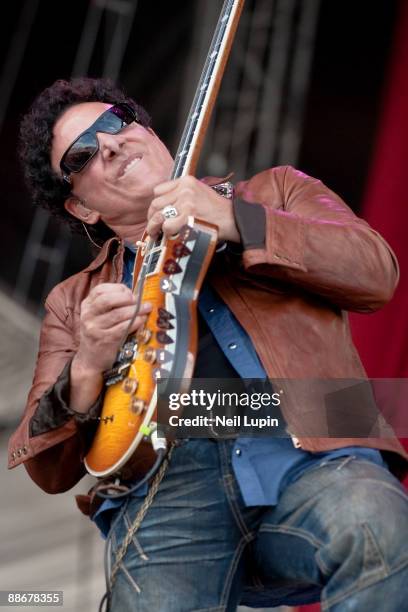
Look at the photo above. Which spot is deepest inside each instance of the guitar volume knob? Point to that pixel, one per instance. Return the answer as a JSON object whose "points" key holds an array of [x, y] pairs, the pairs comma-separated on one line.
{"points": [[137, 405], [129, 385], [143, 335], [150, 355]]}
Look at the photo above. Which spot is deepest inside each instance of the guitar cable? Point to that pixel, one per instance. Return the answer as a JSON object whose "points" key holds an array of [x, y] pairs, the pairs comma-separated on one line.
{"points": [[159, 445]]}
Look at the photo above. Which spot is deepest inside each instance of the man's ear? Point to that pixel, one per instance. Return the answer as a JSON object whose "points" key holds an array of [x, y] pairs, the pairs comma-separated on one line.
{"points": [[77, 209]]}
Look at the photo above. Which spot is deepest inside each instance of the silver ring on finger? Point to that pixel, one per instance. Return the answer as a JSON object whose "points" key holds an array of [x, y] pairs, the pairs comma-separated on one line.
{"points": [[169, 212]]}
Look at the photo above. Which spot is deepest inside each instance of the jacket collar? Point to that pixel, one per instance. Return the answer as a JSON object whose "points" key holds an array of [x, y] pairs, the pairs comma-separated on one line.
{"points": [[104, 253]]}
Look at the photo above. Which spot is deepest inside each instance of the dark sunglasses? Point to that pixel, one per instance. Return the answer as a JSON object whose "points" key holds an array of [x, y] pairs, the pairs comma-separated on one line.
{"points": [[83, 149]]}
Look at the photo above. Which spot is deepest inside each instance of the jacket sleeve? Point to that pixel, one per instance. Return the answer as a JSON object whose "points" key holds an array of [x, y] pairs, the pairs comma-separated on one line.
{"points": [[312, 239], [49, 440]]}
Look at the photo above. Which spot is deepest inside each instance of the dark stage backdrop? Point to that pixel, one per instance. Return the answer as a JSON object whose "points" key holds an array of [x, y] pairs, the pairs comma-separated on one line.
{"points": [[350, 58], [382, 337]]}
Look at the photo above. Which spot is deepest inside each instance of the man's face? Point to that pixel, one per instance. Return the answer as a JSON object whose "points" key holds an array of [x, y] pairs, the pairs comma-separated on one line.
{"points": [[117, 184]]}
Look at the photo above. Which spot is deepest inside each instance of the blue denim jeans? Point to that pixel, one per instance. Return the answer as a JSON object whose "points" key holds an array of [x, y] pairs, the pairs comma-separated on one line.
{"points": [[338, 534]]}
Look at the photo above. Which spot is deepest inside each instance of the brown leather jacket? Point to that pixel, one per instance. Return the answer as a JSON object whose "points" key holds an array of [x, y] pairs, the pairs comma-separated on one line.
{"points": [[290, 293]]}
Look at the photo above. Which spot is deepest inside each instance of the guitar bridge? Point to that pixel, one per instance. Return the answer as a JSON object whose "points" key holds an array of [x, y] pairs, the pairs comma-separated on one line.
{"points": [[122, 364]]}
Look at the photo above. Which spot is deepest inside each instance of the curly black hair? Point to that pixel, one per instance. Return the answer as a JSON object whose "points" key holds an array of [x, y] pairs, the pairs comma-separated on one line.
{"points": [[35, 141]]}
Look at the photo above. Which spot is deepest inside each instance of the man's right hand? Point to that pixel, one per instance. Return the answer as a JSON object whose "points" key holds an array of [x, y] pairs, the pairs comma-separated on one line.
{"points": [[104, 321], [105, 317]]}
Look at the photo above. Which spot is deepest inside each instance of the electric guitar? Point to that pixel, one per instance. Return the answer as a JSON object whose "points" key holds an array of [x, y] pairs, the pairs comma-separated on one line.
{"points": [[169, 273]]}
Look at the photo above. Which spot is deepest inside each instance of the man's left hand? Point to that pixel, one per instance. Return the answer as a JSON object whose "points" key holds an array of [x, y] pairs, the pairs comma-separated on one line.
{"points": [[189, 196]]}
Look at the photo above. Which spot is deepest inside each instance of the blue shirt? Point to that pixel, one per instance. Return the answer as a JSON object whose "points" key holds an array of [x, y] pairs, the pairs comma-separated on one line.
{"points": [[263, 467]]}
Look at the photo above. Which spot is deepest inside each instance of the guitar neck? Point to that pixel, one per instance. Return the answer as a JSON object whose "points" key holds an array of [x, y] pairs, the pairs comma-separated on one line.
{"points": [[169, 273], [199, 116]]}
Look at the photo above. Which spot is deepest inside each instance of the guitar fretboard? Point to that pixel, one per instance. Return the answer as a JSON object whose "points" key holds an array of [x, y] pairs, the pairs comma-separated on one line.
{"points": [[200, 106], [204, 89]]}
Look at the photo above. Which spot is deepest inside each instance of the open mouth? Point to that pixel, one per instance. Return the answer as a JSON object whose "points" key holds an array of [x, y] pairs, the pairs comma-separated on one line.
{"points": [[129, 165]]}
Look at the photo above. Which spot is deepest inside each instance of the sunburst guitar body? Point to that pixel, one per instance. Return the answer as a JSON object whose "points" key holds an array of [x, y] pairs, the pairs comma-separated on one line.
{"points": [[169, 274]]}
